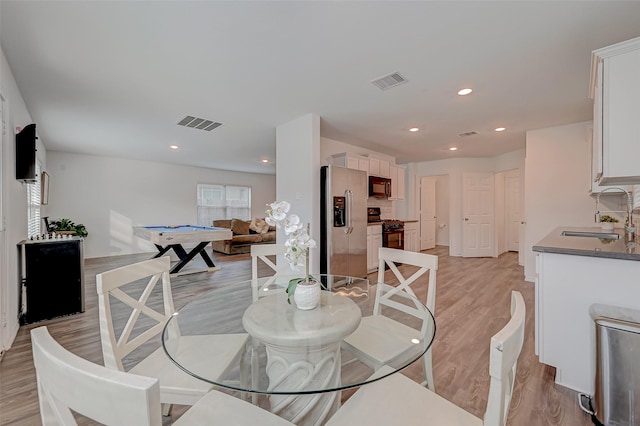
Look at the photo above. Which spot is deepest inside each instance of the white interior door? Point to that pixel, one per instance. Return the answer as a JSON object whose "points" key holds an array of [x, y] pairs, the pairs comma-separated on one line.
{"points": [[478, 230], [513, 216], [427, 213]]}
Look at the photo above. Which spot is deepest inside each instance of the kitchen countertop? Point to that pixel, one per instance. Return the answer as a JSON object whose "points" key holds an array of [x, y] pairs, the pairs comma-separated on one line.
{"points": [[374, 223], [410, 220], [557, 243]]}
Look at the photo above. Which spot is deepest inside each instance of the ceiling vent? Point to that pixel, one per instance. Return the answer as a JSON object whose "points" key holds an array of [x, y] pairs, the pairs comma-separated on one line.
{"points": [[389, 81], [199, 123], [465, 134]]}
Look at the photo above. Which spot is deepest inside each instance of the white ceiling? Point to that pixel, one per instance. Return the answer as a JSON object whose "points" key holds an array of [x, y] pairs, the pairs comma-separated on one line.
{"points": [[114, 78]]}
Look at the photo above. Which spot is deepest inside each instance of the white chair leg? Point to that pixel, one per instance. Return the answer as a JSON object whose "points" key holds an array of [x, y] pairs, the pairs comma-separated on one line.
{"points": [[427, 365], [166, 409]]}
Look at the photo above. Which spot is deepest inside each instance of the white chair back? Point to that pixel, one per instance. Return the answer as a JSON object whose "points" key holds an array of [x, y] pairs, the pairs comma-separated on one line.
{"points": [[67, 382], [505, 349], [260, 253], [115, 348], [396, 399], [425, 263]]}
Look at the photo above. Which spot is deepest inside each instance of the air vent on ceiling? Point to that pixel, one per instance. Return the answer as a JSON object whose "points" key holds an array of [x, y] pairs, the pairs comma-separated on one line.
{"points": [[199, 123], [389, 81], [462, 135]]}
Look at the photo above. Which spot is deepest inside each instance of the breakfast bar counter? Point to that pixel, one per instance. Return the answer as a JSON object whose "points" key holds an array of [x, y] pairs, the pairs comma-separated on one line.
{"points": [[572, 274], [558, 243]]}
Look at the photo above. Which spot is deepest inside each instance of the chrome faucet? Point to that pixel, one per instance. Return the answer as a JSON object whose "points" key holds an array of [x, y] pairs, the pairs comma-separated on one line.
{"points": [[629, 229]]}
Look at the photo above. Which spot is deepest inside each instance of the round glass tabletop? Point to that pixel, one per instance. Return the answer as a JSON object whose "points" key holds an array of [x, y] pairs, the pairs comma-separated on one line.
{"points": [[247, 337]]}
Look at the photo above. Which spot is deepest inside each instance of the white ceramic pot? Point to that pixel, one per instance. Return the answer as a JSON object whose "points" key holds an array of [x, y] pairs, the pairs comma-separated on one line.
{"points": [[307, 296], [607, 226]]}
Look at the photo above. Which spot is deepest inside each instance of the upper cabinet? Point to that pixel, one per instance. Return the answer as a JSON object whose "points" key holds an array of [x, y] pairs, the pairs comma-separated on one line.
{"points": [[595, 147], [396, 173], [351, 161], [379, 167], [615, 89]]}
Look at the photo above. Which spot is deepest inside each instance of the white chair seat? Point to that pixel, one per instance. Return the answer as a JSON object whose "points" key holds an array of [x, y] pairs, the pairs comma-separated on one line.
{"points": [[180, 387], [380, 340], [372, 406], [220, 408]]}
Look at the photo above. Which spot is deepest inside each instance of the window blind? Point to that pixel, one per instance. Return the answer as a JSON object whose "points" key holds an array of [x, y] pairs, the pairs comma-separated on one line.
{"points": [[223, 202]]}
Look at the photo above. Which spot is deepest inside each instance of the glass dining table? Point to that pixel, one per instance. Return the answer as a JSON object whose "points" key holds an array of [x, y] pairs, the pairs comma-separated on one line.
{"points": [[298, 358]]}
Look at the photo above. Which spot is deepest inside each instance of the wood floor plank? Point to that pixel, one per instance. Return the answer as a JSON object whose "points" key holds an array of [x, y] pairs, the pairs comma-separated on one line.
{"points": [[472, 303]]}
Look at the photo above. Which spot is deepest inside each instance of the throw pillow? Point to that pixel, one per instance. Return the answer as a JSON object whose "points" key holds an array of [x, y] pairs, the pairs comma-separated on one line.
{"points": [[239, 227], [258, 225]]}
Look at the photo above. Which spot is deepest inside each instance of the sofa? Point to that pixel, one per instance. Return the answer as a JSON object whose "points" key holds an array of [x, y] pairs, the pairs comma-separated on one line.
{"points": [[245, 234]]}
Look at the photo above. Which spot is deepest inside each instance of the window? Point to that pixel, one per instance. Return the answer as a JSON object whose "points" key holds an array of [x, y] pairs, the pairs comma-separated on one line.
{"points": [[223, 202], [33, 200]]}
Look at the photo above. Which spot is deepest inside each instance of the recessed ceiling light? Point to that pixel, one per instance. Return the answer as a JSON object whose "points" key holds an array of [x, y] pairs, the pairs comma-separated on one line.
{"points": [[413, 129], [463, 92], [264, 160], [500, 129], [453, 148], [173, 146]]}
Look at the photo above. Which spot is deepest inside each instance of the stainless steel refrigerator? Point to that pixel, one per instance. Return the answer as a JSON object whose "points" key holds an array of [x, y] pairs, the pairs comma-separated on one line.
{"points": [[343, 220]]}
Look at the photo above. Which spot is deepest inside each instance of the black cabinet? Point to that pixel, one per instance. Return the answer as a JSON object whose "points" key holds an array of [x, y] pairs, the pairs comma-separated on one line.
{"points": [[51, 277]]}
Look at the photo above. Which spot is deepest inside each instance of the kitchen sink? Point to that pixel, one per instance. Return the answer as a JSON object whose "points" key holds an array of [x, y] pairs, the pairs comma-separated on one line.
{"points": [[592, 234]]}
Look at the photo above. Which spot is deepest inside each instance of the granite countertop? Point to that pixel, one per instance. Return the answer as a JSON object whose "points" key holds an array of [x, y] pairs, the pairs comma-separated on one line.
{"points": [[555, 242], [374, 223]]}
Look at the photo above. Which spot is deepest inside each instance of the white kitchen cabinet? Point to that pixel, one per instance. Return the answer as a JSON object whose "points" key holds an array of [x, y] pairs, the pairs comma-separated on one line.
{"points": [[374, 242], [411, 237], [350, 161], [615, 89], [379, 166], [596, 169], [566, 287], [396, 174]]}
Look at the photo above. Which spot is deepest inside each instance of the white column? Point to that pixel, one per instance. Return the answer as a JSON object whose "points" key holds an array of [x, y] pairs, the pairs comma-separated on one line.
{"points": [[298, 174]]}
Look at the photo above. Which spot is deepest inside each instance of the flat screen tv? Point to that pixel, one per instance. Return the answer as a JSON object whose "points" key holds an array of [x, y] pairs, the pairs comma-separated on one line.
{"points": [[26, 154]]}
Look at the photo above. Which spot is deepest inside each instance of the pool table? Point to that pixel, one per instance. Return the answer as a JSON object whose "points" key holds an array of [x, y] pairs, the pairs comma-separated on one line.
{"points": [[166, 238]]}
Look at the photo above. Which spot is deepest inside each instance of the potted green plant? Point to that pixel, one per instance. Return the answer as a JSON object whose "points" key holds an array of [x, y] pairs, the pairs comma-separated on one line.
{"points": [[607, 222], [67, 226]]}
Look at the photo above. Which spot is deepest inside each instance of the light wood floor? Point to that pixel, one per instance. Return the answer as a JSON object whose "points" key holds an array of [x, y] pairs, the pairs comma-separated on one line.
{"points": [[472, 304]]}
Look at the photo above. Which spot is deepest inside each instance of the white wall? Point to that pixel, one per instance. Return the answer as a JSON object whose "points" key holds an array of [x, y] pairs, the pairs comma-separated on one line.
{"points": [[110, 195], [557, 175], [14, 203], [455, 168]]}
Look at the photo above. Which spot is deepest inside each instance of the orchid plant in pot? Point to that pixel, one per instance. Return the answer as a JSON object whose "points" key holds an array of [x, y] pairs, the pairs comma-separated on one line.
{"points": [[297, 246]]}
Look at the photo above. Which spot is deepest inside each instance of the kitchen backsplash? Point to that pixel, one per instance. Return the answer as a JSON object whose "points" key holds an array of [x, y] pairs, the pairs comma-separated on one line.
{"points": [[387, 208]]}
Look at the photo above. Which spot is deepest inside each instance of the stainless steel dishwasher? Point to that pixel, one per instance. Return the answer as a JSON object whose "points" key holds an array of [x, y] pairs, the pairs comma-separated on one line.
{"points": [[616, 401]]}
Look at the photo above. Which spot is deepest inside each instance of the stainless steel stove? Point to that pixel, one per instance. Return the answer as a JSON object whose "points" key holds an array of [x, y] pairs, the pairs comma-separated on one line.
{"points": [[393, 234]]}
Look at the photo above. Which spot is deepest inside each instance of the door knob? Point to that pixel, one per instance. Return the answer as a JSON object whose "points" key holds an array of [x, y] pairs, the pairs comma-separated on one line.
{"points": [[466, 218]]}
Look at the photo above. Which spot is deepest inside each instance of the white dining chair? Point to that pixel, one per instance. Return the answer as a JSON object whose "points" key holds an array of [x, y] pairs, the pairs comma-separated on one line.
{"points": [[67, 382], [260, 255], [376, 352], [176, 386], [396, 399]]}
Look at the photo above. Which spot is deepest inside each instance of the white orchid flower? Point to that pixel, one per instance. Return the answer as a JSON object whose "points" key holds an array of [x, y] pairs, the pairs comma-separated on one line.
{"points": [[279, 210], [292, 224], [298, 242]]}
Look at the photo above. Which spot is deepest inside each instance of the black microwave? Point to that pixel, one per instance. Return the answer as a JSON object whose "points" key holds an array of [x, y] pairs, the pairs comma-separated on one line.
{"points": [[379, 187]]}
